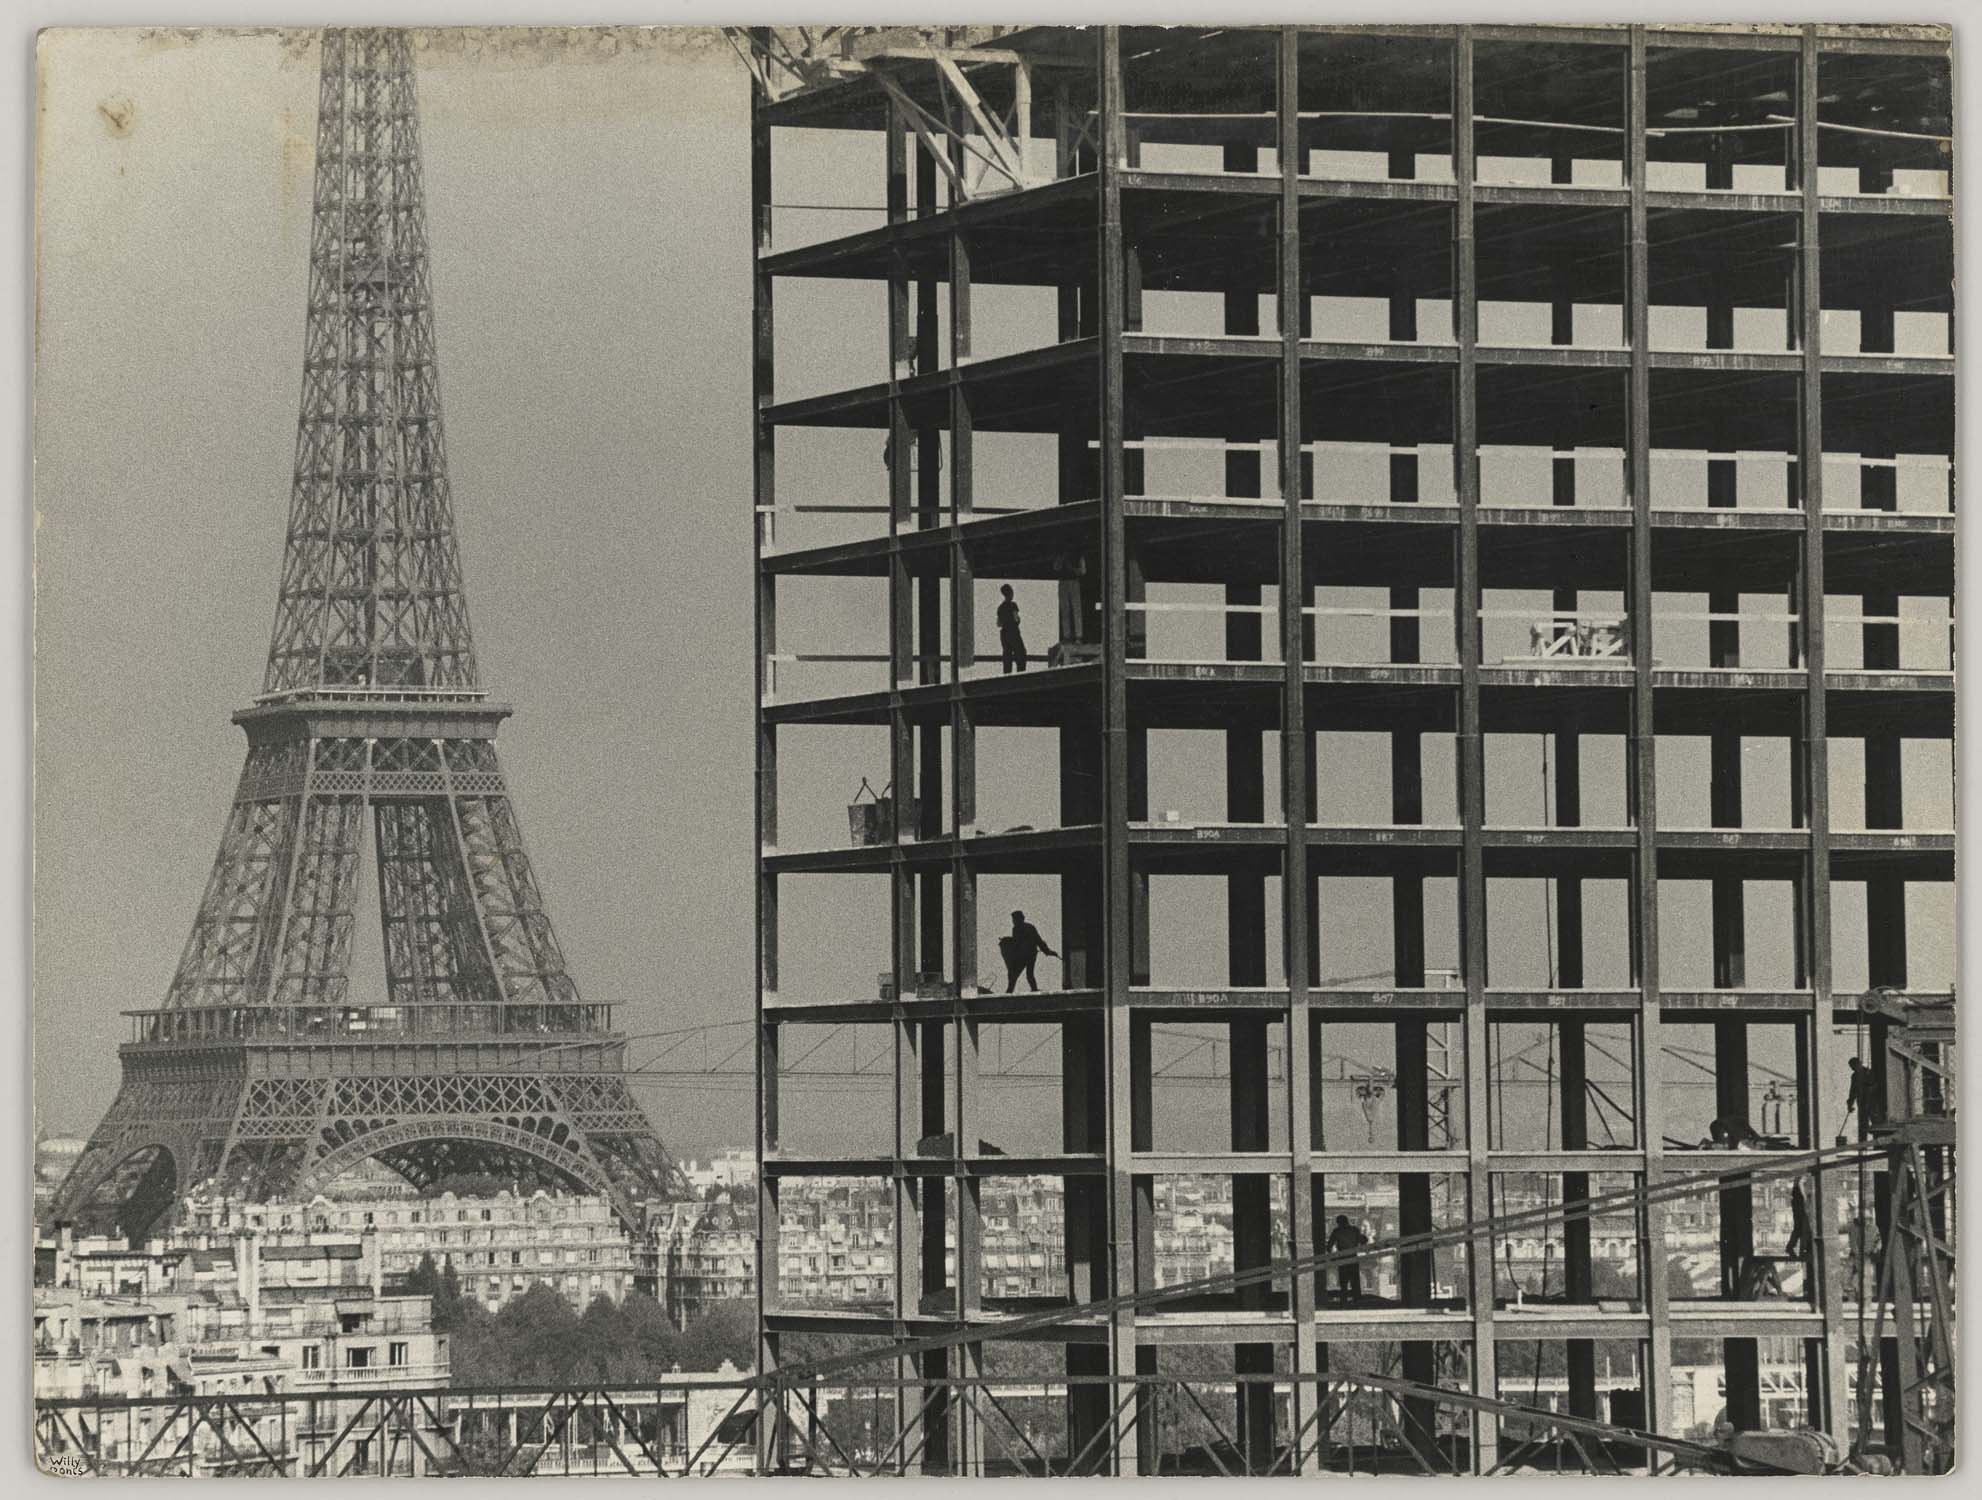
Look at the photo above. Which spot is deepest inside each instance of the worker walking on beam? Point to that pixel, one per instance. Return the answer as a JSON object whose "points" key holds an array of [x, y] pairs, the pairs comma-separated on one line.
{"points": [[1011, 644], [1020, 948]]}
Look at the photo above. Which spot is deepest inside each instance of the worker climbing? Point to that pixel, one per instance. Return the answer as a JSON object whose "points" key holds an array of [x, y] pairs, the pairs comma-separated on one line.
{"points": [[1020, 948], [1011, 644]]}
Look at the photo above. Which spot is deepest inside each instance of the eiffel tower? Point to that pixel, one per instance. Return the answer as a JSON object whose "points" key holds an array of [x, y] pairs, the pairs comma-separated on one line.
{"points": [[265, 1074]]}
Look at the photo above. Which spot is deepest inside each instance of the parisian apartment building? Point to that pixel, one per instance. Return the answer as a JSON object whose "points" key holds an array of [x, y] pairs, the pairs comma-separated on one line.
{"points": [[308, 1310], [499, 1246]]}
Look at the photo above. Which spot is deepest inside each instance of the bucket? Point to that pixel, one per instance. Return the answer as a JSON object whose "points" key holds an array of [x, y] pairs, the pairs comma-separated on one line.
{"points": [[869, 822], [873, 821]]}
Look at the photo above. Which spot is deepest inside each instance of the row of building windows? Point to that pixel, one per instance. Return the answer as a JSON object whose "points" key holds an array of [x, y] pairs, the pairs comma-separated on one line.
{"points": [[515, 1258], [492, 1287], [398, 1354], [563, 1235]]}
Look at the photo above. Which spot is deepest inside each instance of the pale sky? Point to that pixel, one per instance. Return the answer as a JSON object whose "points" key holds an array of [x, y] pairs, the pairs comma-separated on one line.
{"points": [[588, 218]]}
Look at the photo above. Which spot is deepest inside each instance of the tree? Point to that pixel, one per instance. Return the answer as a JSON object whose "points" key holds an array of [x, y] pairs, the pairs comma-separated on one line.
{"points": [[537, 1340], [653, 1343], [1679, 1280], [540, 1334], [724, 1330], [603, 1353], [443, 1285], [479, 1351], [1610, 1281], [451, 1299], [1520, 1360], [424, 1279]]}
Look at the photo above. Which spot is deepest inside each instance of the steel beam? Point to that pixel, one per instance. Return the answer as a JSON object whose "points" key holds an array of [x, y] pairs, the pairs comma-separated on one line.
{"points": [[1116, 880], [1471, 742], [1296, 792], [1642, 750]]}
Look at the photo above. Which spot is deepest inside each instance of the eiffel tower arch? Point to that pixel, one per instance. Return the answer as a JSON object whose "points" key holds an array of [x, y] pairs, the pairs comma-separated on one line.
{"points": [[267, 1072]]}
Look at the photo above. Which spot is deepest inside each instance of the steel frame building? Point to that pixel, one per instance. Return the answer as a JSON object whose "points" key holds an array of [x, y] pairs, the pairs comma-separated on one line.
{"points": [[1796, 136]]}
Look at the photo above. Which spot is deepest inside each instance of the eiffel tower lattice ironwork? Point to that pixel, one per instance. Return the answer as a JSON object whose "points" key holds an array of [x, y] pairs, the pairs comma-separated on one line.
{"points": [[264, 1074]]}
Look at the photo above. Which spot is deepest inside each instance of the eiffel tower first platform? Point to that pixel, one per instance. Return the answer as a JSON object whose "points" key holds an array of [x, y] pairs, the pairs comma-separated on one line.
{"points": [[266, 1074]]}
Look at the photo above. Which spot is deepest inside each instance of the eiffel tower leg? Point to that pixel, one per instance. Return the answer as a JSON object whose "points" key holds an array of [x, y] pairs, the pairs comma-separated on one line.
{"points": [[158, 1138]]}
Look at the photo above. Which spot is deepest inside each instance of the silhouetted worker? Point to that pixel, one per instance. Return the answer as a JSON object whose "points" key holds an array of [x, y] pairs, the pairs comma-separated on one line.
{"points": [[1730, 1133], [1020, 948], [1860, 1098], [1344, 1238], [1758, 1280], [1010, 643], [1798, 1247]]}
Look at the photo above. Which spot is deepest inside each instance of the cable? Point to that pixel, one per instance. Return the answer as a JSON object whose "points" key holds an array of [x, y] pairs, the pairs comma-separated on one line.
{"points": [[1548, 892], [1898, 135], [1859, 1239]]}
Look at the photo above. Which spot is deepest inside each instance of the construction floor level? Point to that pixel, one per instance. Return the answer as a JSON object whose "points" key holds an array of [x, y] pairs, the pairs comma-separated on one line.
{"points": [[1454, 530]]}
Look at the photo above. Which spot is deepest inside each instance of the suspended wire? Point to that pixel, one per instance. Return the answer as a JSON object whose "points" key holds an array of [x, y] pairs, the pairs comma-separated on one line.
{"points": [[1859, 1232], [831, 1032], [1548, 1182], [1548, 892], [1691, 1056]]}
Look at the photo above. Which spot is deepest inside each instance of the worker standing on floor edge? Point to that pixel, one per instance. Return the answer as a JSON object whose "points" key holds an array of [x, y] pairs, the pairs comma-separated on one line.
{"points": [[1858, 1099], [1345, 1239], [1020, 948], [1011, 644]]}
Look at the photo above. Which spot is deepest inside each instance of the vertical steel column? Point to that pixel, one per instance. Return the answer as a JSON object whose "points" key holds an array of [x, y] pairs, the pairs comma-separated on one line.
{"points": [[1578, 1271], [1083, 1094], [1826, 1050], [936, 1195], [1245, 916], [969, 1436], [1471, 747], [764, 496], [1740, 1356], [1118, 940], [1291, 299], [909, 1192], [928, 735], [1730, 936], [1568, 891], [1729, 891], [1643, 747]]}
